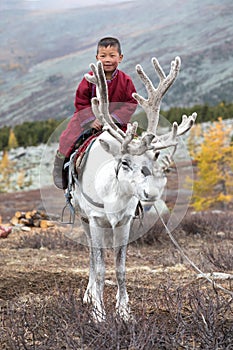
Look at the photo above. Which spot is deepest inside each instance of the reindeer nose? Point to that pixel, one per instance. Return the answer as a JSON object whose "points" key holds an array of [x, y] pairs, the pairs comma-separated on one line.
{"points": [[153, 189]]}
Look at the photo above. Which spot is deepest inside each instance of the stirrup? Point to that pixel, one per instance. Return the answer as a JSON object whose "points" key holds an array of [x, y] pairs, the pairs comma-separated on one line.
{"points": [[69, 206]]}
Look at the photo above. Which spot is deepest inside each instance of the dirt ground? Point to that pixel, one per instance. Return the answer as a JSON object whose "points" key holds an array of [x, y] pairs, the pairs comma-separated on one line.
{"points": [[41, 261], [28, 269], [31, 269], [37, 267]]}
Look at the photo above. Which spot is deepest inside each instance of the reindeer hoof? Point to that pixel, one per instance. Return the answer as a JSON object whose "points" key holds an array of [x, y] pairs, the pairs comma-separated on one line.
{"points": [[123, 313], [98, 316]]}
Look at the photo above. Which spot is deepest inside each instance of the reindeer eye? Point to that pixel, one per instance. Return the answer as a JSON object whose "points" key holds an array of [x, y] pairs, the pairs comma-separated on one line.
{"points": [[125, 164], [146, 171]]}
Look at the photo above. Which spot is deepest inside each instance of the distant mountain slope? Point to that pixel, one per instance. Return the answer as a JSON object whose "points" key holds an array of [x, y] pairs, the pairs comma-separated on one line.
{"points": [[44, 55]]}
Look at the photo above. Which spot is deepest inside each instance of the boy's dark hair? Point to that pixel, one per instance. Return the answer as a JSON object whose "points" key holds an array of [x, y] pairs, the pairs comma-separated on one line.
{"points": [[109, 41]]}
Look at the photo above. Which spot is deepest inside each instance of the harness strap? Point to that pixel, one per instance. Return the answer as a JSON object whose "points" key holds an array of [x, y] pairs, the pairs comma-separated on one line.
{"points": [[96, 204]]}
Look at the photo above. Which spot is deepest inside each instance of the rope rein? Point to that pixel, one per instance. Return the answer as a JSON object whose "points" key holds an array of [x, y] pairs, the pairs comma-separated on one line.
{"points": [[187, 258]]}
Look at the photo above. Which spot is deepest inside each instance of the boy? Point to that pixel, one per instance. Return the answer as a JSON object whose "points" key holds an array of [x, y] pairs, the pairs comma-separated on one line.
{"points": [[121, 104]]}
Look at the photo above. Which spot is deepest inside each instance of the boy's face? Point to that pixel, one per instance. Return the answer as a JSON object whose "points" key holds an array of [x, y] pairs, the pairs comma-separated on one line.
{"points": [[110, 58]]}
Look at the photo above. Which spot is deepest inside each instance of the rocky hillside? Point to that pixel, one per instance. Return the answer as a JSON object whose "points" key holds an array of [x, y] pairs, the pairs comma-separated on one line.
{"points": [[31, 168], [44, 54]]}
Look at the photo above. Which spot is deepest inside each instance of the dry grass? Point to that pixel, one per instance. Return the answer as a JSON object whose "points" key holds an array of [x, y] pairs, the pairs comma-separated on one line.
{"points": [[171, 308], [180, 318]]}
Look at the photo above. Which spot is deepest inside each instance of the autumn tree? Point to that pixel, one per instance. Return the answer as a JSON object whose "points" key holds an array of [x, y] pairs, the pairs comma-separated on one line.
{"points": [[12, 141], [213, 187], [6, 171], [12, 178]]}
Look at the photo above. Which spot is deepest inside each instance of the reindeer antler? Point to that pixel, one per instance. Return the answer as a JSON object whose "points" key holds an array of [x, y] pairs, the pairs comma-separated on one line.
{"points": [[100, 107], [149, 141], [152, 105], [185, 125], [100, 104]]}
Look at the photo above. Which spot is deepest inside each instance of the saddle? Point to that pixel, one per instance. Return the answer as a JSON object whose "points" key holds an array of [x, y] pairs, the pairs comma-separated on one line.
{"points": [[82, 147], [79, 155], [82, 152]]}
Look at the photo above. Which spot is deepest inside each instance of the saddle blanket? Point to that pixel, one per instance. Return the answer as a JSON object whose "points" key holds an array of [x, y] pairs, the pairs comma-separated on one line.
{"points": [[82, 151]]}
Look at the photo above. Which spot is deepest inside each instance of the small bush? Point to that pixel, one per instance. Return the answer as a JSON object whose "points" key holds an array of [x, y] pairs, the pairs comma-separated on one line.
{"points": [[208, 222], [180, 318], [220, 256], [51, 240]]}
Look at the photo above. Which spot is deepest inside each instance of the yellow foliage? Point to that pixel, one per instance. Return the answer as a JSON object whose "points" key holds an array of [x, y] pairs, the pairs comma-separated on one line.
{"points": [[12, 141], [9, 178], [6, 170], [5, 161], [214, 184]]}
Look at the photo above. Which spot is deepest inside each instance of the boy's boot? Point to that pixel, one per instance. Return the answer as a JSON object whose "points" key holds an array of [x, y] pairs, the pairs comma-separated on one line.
{"points": [[59, 174]]}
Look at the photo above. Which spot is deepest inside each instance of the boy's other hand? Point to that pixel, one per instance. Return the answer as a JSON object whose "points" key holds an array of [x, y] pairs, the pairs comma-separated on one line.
{"points": [[96, 124]]}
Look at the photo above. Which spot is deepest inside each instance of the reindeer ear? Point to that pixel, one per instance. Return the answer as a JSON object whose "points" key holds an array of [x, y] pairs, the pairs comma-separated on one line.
{"points": [[110, 147], [156, 155]]}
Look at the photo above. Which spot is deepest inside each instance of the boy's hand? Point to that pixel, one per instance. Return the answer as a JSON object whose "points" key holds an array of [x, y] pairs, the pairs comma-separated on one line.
{"points": [[96, 124]]}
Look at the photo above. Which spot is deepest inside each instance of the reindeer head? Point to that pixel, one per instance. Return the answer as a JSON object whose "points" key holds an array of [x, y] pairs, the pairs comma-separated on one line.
{"points": [[136, 157], [140, 175]]}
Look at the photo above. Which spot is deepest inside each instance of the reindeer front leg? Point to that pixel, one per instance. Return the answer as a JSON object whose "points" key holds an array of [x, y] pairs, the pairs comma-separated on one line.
{"points": [[121, 237], [122, 296], [95, 288]]}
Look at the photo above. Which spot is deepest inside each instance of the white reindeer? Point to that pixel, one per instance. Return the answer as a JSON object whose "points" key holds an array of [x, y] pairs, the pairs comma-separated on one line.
{"points": [[120, 171]]}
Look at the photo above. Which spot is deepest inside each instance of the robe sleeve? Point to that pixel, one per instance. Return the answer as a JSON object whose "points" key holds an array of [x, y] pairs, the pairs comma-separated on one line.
{"points": [[83, 102]]}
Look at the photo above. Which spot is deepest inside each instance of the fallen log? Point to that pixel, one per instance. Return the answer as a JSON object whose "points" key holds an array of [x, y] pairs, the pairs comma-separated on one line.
{"points": [[34, 218]]}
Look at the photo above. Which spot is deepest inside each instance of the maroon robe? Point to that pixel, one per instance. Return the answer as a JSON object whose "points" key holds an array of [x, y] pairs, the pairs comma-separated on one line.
{"points": [[121, 106]]}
